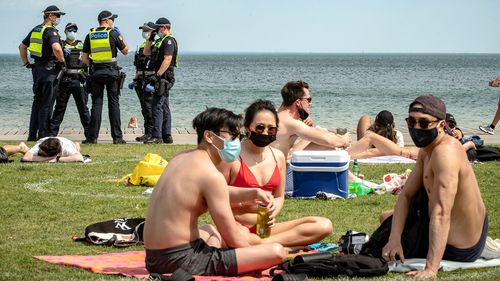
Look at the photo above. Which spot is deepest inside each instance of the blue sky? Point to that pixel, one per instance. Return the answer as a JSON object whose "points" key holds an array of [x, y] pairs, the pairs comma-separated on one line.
{"points": [[326, 26]]}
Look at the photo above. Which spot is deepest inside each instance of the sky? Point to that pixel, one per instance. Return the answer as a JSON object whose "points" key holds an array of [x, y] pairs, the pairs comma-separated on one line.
{"points": [[289, 26]]}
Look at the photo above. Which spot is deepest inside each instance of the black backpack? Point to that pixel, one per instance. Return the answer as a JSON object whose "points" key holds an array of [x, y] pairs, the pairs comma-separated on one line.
{"points": [[327, 264], [121, 232]]}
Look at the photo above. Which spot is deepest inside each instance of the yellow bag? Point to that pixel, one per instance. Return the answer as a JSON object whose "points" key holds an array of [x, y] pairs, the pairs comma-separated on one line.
{"points": [[148, 171]]}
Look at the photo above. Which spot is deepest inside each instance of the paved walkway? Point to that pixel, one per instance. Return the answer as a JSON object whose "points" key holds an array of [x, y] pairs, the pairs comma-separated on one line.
{"points": [[188, 135]]}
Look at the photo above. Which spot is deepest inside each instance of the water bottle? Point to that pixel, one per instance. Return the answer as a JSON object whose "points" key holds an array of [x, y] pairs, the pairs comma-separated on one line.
{"points": [[355, 168], [149, 88], [132, 85], [262, 229]]}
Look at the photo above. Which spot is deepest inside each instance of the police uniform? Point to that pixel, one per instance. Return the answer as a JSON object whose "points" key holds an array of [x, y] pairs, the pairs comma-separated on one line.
{"points": [[162, 118], [71, 84], [102, 45], [45, 71], [144, 70]]}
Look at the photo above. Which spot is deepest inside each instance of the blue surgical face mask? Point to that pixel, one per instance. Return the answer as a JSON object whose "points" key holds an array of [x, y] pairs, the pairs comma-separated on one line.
{"points": [[231, 150], [71, 35], [145, 35], [56, 22]]}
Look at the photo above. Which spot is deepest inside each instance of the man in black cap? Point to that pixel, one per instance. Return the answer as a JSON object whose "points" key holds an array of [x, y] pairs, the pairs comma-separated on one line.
{"points": [[164, 59], [446, 187], [71, 82], [45, 48], [100, 49], [144, 69]]}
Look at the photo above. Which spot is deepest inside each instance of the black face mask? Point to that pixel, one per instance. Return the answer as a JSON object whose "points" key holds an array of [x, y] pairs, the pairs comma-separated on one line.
{"points": [[261, 140], [303, 114], [423, 137]]}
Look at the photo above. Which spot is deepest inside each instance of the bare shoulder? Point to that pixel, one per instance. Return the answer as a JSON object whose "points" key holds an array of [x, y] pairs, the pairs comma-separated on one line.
{"points": [[280, 157], [448, 153]]}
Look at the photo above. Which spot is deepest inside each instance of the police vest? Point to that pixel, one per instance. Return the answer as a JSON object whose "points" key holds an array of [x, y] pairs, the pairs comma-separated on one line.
{"points": [[36, 40], [100, 46], [155, 53], [140, 60], [73, 60]]}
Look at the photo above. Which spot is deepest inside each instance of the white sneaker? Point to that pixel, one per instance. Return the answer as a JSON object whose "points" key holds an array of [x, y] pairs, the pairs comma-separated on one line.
{"points": [[491, 249], [487, 129]]}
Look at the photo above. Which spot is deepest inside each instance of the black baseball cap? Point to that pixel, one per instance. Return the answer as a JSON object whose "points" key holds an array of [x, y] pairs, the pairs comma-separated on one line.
{"points": [[431, 105], [148, 26], [104, 15], [162, 22], [71, 25], [52, 9], [450, 119]]}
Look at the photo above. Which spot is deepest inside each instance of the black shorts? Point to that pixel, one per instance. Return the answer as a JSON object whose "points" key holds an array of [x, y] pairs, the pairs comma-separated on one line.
{"points": [[4, 158], [196, 258], [470, 254]]}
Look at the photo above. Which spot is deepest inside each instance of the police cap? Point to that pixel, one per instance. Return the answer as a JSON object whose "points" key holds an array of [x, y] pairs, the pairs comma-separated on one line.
{"points": [[104, 15], [71, 25], [162, 22], [52, 9], [148, 26]]}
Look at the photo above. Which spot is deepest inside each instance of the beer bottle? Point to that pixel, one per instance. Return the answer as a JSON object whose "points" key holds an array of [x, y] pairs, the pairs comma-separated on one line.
{"points": [[261, 227]]}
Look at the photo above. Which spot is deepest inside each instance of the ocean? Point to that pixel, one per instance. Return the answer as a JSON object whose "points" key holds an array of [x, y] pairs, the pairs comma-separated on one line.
{"points": [[343, 86]]}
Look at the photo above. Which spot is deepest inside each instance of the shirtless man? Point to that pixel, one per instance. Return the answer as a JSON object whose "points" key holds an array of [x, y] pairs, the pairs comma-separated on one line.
{"points": [[458, 222], [190, 186]]}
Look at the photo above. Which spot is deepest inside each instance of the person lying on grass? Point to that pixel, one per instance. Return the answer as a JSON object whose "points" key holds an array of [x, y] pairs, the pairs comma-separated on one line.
{"points": [[54, 149], [189, 187], [262, 166]]}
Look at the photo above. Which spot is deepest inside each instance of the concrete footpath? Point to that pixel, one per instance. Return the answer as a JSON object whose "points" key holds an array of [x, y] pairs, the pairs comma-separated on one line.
{"points": [[188, 135]]}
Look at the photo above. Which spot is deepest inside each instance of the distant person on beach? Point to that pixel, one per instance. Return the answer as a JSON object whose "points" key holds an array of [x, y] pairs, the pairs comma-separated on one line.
{"points": [[383, 125], [189, 187], [262, 166], [45, 48], [54, 149], [71, 83], [490, 129], [100, 50], [9, 149], [443, 182]]}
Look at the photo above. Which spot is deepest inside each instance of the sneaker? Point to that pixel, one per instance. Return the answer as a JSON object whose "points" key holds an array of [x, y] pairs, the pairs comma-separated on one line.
{"points": [[487, 129], [168, 139], [143, 138], [119, 141], [89, 141], [153, 140]]}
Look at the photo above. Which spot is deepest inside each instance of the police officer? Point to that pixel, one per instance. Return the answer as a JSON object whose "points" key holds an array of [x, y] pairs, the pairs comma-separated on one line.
{"points": [[44, 45], [164, 58], [100, 49], [143, 70], [71, 82]]}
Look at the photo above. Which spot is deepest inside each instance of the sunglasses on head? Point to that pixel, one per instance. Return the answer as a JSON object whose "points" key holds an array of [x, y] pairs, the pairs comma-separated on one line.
{"points": [[271, 130], [423, 123], [309, 99]]}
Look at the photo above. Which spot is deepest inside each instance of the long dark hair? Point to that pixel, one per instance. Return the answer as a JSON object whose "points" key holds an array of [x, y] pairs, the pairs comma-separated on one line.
{"points": [[256, 107], [384, 125]]}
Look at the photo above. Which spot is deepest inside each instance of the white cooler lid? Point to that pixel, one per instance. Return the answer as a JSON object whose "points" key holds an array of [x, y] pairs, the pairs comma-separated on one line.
{"points": [[320, 156]]}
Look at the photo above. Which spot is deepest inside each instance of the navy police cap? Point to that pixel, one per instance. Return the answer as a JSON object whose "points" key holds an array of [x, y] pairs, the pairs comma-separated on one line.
{"points": [[162, 22], [104, 15], [148, 26], [52, 9]]}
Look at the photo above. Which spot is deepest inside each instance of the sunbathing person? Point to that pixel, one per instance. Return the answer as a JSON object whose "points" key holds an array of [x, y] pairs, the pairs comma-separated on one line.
{"points": [[383, 125], [9, 149], [54, 149], [190, 186], [458, 222], [263, 166]]}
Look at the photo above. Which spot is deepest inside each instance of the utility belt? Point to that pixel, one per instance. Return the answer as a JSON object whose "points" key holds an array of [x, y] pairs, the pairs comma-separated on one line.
{"points": [[49, 64], [145, 72]]}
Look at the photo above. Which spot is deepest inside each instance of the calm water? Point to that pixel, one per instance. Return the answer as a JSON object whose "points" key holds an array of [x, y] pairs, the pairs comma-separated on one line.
{"points": [[343, 86]]}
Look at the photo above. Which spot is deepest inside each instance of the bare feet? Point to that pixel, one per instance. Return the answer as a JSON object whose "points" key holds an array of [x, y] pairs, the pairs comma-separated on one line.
{"points": [[23, 148]]}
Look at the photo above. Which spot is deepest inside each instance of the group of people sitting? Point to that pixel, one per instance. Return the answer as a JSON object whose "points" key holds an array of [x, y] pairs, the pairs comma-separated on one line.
{"points": [[229, 179]]}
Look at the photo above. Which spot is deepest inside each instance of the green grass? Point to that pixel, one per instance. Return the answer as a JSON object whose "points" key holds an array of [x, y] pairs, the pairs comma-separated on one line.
{"points": [[43, 205]]}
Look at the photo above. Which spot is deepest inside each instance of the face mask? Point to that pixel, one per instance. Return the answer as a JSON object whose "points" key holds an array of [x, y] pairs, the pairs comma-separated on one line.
{"points": [[145, 35], [56, 22], [71, 35], [231, 150], [303, 114], [423, 137], [261, 140]]}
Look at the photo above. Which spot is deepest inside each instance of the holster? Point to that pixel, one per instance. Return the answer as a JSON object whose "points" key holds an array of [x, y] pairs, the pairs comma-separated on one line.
{"points": [[162, 87], [121, 80]]}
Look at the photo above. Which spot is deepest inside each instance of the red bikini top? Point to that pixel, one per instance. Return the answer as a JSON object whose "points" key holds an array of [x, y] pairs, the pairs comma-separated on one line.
{"points": [[246, 178]]}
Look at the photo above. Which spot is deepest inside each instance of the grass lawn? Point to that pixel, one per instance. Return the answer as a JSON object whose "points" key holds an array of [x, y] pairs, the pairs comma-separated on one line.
{"points": [[43, 205]]}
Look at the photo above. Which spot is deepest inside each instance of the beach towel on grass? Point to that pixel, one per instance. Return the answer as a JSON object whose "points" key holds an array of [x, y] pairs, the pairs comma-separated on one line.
{"points": [[389, 159], [131, 264], [419, 264]]}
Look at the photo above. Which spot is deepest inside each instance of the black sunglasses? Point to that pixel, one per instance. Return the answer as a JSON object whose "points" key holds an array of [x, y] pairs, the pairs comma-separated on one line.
{"points": [[271, 130], [423, 123], [309, 99], [71, 30]]}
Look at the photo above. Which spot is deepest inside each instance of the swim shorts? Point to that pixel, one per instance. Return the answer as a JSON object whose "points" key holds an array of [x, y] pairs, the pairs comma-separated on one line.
{"points": [[4, 158], [470, 254], [196, 258]]}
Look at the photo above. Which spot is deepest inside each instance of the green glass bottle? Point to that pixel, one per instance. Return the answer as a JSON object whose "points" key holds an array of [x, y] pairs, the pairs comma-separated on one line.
{"points": [[261, 227]]}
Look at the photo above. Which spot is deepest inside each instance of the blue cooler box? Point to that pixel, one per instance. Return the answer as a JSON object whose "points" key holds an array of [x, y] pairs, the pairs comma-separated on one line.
{"points": [[325, 170]]}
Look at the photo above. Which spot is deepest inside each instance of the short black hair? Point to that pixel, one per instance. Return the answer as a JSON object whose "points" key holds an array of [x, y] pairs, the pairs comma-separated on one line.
{"points": [[292, 91], [256, 107], [214, 119], [51, 147]]}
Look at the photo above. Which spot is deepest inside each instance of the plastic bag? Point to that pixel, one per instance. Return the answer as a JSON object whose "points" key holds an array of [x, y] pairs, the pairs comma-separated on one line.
{"points": [[147, 171]]}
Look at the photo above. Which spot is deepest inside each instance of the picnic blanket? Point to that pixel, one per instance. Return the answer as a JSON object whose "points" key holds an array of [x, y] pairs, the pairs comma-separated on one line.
{"points": [[419, 264], [131, 264], [387, 159]]}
